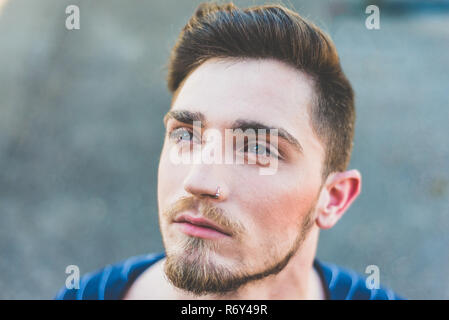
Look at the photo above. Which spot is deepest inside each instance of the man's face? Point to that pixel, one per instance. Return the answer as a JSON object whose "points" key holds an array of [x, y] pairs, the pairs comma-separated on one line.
{"points": [[264, 217]]}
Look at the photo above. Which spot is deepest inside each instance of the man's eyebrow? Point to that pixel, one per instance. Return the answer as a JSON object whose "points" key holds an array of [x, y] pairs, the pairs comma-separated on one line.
{"points": [[244, 124], [185, 116], [188, 117]]}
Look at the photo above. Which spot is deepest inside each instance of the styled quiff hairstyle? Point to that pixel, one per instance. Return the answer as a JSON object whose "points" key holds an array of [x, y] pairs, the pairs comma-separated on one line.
{"points": [[276, 32]]}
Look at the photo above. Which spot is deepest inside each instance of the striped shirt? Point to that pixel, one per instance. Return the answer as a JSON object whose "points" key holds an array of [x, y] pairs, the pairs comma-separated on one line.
{"points": [[112, 281]]}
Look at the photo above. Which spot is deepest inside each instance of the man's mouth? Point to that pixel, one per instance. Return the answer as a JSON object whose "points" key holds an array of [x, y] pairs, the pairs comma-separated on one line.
{"points": [[200, 227]]}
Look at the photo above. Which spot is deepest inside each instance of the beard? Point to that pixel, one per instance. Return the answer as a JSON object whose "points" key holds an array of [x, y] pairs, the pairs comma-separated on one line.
{"points": [[191, 266]]}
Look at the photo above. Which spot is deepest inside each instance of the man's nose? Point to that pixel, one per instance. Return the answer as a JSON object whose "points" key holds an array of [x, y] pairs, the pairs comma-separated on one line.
{"points": [[204, 180]]}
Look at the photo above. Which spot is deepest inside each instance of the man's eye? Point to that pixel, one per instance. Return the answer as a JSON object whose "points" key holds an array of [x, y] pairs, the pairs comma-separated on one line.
{"points": [[180, 134], [259, 149]]}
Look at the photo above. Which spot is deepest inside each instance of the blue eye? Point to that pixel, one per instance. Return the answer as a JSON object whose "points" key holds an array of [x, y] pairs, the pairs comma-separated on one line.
{"points": [[180, 134], [257, 149], [262, 150]]}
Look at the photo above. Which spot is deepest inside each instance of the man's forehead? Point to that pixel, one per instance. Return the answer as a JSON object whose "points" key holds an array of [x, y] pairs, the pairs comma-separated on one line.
{"points": [[258, 89]]}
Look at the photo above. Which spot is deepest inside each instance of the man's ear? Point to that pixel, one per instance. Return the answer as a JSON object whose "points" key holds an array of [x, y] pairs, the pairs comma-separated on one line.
{"points": [[337, 194]]}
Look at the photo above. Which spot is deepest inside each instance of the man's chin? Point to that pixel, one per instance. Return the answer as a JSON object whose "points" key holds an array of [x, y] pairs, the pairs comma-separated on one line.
{"points": [[197, 267], [201, 253], [199, 274]]}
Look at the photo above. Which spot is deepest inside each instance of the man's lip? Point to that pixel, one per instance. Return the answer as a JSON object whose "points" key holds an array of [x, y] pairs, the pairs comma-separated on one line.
{"points": [[202, 222]]}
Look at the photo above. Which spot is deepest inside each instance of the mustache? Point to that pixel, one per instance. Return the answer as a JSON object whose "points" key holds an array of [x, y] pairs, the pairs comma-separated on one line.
{"points": [[207, 210]]}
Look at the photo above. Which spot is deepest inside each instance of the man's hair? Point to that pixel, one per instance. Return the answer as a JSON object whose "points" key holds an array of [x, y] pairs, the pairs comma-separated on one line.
{"points": [[274, 32]]}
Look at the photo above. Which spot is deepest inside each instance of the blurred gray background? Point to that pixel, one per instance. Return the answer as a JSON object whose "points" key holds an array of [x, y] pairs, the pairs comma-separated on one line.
{"points": [[81, 132]]}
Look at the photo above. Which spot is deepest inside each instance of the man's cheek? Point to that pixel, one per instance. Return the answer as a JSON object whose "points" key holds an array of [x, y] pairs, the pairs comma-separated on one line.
{"points": [[282, 214], [169, 172], [268, 218]]}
